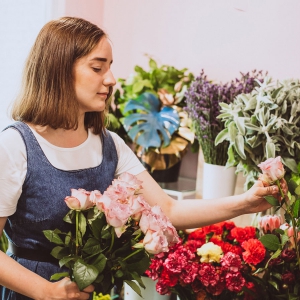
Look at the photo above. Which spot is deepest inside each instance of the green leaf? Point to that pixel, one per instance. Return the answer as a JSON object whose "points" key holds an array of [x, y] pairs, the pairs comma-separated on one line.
{"points": [[272, 200], [97, 226], [240, 124], [239, 146], [53, 237], [58, 276], [99, 262], [296, 207], [270, 150], [92, 246], [222, 136], [70, 217], [134, 286], [84, 274], [137, 87], [290, 163], [232, 131], [65, 260], [297, 190], [82, 223], [270, 241]]}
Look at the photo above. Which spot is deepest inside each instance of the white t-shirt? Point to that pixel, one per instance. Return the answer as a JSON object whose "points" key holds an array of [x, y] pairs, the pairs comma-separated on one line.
{"points": [[13, 162]]}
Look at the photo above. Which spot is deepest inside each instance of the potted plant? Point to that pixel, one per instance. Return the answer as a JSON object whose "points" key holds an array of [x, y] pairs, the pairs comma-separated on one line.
{"points": [[262, 124], [151, 105], [203, 99]]}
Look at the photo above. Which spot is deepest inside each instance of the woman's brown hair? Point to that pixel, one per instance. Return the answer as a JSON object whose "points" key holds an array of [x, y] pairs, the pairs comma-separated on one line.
{"points": [[47, 96]]}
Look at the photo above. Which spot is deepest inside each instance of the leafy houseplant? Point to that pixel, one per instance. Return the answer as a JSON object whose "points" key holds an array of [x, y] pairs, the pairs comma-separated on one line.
{"points": [[151, 105], [262, 124], [202, 104]]}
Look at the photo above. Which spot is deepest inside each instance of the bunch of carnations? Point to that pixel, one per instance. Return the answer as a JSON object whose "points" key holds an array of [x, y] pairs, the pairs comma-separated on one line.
{"points": [[115, 235], [203, 99], [279, 278], [212, 262]]}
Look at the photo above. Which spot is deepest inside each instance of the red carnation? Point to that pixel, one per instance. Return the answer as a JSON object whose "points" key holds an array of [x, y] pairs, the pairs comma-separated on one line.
{"points": [[243, 234], [255, 251], [235, 281]]}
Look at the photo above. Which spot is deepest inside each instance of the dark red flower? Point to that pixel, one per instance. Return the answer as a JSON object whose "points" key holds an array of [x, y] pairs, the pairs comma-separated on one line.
{"points": [[288, 255], [231, 262], [235, 281], [288, 278]]}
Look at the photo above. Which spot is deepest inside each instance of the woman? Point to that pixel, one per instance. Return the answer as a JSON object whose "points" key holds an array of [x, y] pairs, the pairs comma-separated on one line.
{"points": [[59, 143]]}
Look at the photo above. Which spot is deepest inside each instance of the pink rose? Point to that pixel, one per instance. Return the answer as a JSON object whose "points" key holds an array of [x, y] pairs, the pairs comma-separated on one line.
{"points": [[79, 200], [155, 242], [272, 170], [269, 223], [290, 233], [116, 213]]}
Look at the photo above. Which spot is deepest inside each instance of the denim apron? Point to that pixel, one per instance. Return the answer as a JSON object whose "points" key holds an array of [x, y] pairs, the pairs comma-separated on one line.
{"points": [[41, 205]]}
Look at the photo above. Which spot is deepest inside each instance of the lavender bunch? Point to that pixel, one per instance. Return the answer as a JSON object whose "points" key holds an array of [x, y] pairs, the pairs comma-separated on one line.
{"points": [[202, 104]]}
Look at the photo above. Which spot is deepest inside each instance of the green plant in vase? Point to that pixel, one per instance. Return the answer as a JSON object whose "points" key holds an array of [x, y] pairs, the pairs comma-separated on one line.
{"points": [[151, 105], [262, 124]]}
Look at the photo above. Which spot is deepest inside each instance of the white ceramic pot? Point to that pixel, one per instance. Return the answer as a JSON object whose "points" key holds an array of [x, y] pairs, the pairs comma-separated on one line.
{"points": [[218, 181], [149, 293]]}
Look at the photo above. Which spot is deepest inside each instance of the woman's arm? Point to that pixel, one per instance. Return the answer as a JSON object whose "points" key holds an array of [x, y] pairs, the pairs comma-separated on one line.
{"points": [[196, 213], [23, 281]]}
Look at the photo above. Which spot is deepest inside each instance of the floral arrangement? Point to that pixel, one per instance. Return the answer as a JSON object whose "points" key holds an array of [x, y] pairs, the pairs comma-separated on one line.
{"points": [[149, 106], [203, 99], [115, 235], [223, 261], [262, 124], [212, 262]]}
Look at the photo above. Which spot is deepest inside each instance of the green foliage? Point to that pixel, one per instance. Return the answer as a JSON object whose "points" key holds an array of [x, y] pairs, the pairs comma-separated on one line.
{"points": [[151, 127], [98, 256], [3, 242], [263, 124]]}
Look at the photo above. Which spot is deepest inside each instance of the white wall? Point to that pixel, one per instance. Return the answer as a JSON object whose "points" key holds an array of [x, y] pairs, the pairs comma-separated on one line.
{"points": [[20, 22]]}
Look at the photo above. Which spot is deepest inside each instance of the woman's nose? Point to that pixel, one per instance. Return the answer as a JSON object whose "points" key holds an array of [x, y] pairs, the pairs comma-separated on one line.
{"points": [[109, 79]]}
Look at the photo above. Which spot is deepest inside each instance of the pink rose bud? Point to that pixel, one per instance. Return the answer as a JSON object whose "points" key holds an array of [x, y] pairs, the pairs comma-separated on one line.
{"points": [[269, 223], [290, 233], [79, 200], [272, 170]]}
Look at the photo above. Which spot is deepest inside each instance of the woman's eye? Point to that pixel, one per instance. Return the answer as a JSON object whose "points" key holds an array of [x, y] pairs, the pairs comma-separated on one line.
{"points": [[96, 70]]}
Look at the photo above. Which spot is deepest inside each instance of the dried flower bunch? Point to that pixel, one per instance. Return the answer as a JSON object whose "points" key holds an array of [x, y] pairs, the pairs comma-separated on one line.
{"points": [[262, 124], [203, 99]]}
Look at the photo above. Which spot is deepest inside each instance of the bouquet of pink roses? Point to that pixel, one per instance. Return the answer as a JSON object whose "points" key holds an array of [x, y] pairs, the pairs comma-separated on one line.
{"points": [[115, 236]]}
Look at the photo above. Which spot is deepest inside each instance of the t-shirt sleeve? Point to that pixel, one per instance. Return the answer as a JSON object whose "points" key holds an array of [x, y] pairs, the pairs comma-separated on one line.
{"points": [[13, 168], [128, 161]]}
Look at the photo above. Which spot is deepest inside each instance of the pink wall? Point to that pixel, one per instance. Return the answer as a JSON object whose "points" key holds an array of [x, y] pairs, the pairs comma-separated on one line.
{"points": [[222, 37]]}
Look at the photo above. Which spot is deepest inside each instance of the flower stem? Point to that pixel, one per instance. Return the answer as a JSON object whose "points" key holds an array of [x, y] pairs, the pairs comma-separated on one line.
{"points": [[295, 236], [280, 189], [133, 253], [77, 231], [112, 239]]}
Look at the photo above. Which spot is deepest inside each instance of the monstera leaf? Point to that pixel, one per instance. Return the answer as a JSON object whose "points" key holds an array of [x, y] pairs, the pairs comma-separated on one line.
{"points": [[150, 126]]}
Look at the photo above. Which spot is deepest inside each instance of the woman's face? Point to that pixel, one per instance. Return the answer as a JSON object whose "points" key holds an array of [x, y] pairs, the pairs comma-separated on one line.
{"points": [[93, 77]]}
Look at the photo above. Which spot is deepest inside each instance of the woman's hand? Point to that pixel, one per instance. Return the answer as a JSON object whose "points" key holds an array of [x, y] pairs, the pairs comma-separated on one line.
{"points": [[66, 289], [255, 201]]}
